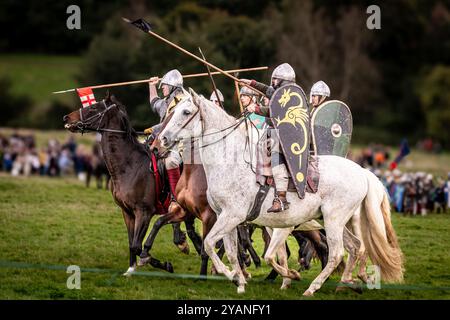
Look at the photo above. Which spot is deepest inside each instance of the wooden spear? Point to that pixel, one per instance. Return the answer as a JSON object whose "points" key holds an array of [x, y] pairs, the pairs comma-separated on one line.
{"points": [[193, 75], [212, 79], [145, 26]]}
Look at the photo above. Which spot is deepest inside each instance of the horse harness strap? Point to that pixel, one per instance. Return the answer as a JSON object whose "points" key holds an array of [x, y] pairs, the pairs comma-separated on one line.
{"points": [[83, 124], [257, 204]]}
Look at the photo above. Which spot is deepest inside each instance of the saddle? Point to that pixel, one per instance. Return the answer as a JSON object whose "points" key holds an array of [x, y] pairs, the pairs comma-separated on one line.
{"points": [[267, 181], [312, 177], [162, 190]]}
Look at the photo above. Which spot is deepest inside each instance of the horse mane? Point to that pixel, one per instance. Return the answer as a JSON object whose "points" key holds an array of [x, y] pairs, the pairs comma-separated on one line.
{"points": [[130, 133], [213, 105]]}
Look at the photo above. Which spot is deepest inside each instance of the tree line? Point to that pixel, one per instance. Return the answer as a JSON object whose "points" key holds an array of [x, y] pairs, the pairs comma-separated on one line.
{"points": [[396, 79]]}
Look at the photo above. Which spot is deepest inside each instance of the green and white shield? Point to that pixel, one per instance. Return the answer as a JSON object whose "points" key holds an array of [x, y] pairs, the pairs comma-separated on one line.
{"points": [[332, 126]]}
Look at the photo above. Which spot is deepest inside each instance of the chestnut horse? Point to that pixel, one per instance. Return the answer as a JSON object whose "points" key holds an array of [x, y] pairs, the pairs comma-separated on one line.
{"points": [[129, 163]]}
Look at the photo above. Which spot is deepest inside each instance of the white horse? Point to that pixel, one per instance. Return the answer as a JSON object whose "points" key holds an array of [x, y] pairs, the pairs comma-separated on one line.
{"points": [[344, 188]]}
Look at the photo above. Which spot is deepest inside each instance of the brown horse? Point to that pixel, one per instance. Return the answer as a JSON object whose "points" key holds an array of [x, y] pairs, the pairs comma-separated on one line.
{"points": [[192, 203], [129, 163]]}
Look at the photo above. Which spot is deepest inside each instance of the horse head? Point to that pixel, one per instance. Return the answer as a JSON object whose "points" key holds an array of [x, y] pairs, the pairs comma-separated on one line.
{"points": [[185, 121], [94, 117]]}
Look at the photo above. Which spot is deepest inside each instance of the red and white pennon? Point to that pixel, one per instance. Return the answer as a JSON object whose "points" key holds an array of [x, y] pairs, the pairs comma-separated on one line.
{"points": [[86, 96]]}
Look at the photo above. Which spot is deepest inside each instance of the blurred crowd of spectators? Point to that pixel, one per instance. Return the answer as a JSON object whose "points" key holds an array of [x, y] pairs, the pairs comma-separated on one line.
{"points": [[416, 192], [20, 155], [409, 192], [374, 156]]}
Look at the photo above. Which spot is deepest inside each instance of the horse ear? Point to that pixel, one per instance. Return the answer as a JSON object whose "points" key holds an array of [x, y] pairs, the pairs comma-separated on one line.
{"points": [[108, 95], [195, 97]]}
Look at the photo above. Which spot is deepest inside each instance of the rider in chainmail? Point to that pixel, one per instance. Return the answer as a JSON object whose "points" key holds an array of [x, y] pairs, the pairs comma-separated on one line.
{"points": [[172, 88], [282, 75]]}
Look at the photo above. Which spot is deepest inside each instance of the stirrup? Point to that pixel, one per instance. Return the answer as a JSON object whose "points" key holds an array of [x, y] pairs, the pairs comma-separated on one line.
{"points": [[284, 205]]}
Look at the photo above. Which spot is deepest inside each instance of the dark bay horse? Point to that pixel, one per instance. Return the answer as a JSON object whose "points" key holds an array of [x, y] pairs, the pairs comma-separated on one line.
{"points": [[128, 162]]}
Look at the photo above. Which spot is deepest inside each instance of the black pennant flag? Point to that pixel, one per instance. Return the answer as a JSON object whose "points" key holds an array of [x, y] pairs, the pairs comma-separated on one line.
{"points": [[141, 24]]}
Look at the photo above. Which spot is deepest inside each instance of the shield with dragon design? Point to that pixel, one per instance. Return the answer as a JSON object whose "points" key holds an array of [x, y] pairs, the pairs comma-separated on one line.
{"points": [[332, 126], [290, 116]]}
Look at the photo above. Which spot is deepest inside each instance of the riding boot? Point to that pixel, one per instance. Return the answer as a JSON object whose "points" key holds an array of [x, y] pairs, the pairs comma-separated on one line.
{"points": [[279, 202], [173, 175]]}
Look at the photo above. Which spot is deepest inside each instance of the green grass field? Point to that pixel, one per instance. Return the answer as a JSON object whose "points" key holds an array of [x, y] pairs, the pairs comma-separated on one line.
{"points": [[38, 76], [48, 224]]}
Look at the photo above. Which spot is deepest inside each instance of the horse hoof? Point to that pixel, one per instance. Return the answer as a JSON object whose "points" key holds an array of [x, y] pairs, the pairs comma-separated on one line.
{"points": [[129, 272], [143, 261], [184, 247], [308, 293], [293, 274], [363, 278], [230, 274], [349, 286], [248, 275], [241, 289], [235, 279], [168, 267], [286, 284]]}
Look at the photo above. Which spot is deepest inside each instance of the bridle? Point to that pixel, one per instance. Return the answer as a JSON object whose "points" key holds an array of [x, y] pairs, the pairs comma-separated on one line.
{"points": [[242, 118], [86, 125]]}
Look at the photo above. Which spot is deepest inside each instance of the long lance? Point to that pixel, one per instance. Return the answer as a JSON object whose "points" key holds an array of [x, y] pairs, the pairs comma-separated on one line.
{"points": [[238, 95], [193, 75], [212, 79], [145, 26]]}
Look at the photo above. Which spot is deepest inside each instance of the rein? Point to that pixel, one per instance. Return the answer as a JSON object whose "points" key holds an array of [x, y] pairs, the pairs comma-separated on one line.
{"points": [[84, 124], [233, 127], [243, 118]]}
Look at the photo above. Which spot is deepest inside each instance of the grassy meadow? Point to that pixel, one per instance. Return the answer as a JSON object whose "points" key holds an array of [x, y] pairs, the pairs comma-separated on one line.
{"points": [[48, 224], [39, 75]]}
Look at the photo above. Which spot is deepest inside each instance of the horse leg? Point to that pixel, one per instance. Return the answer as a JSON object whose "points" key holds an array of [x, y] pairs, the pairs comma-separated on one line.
{"points": [[208, 217], [192, 234], [273, 273], [179, 238], [318, 241], [220, 254], [362, 273], [266, 239], [174, 215], [145, 256], [141, 227], [362, 253], [225, 224], [277, 243], [352, 245], [230, 242], [244, 258], [129, 222], [247, 243], [283, 261], [336, 253]]}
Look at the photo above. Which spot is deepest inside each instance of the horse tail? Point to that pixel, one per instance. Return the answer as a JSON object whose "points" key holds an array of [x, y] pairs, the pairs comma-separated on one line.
{"points": [[378, 233]]}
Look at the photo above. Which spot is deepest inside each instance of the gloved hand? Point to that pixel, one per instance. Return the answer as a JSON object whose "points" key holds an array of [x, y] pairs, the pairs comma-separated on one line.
{"points": [[148, 131], [153, 80], [251, 107]]}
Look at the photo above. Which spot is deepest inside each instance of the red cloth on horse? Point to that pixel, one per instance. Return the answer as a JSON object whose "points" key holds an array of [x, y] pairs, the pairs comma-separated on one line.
{"points": [[161, 208]]}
